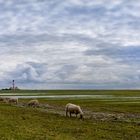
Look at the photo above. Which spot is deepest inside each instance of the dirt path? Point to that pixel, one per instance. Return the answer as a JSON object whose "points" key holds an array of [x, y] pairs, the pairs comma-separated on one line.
{"points": [[88, 114]]}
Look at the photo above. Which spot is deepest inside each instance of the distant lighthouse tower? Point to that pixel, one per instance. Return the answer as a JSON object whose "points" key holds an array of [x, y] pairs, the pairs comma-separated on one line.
{"points": [[13, 84]]}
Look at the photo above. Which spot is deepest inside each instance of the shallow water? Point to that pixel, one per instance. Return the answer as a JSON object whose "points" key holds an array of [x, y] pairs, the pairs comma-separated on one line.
{"points": [[62, 96], [72, 96]]}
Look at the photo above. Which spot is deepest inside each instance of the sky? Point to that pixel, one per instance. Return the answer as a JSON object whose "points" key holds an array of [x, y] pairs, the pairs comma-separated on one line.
{"points": [[70, 44]]}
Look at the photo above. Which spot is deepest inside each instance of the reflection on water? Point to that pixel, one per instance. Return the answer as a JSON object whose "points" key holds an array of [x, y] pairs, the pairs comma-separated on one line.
{"points": [[73, 96]]}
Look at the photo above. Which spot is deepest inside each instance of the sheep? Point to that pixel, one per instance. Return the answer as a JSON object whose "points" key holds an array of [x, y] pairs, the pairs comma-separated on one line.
{"points": [[33, 103], [13, 100], [73, 109], [6, 100]]}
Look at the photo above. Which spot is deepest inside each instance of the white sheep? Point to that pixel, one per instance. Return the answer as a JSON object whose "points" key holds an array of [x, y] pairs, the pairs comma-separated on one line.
{"points": [[6, 100], [33, 103], [13, 100], [73, 109]]}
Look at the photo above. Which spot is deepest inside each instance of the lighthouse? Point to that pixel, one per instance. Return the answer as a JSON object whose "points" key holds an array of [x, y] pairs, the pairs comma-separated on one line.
{"points": [[13, 84]]}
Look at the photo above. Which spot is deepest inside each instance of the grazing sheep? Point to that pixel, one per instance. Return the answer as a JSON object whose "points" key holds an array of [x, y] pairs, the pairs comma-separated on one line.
{"points": [[6, 100], [13, 100], [33, 103], [73, 109]]}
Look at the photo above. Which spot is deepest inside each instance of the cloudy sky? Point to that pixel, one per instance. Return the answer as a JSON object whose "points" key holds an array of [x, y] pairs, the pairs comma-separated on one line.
{"points": [[70, 44]]}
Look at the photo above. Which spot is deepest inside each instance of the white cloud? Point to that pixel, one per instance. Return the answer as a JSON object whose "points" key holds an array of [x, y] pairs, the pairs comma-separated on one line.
{"points": [[70, 42]]}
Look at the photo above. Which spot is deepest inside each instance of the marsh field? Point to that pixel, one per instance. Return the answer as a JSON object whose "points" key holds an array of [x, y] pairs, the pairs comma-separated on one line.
{"points": [[108, 115]]}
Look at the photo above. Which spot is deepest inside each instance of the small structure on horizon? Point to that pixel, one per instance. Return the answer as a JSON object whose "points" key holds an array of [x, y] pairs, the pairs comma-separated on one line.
{"points": [[13, 85]]}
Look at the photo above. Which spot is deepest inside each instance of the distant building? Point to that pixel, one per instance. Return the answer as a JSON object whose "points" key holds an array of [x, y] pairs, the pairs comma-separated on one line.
{"points": [[13, 87]]}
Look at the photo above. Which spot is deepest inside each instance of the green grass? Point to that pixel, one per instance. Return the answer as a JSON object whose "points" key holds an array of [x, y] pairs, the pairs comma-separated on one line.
{"points": [[98, 105], [76, 92], [28, 123], [25, 123]]}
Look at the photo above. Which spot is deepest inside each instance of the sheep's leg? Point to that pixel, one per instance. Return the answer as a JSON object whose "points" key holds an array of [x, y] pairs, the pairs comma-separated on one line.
{"points": [[70, 114], [66, 113]]}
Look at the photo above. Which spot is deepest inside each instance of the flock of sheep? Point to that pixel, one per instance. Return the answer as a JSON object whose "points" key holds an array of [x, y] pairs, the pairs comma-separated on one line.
{"points": [[69, 108], [9, 100]]}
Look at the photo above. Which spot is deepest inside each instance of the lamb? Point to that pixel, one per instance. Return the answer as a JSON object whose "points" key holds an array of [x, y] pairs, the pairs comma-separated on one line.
{"points": [[33, 103], [73, 109], [13, 100]]}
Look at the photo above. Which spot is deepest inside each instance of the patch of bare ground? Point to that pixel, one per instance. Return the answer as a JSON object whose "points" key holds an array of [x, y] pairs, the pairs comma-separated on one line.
{"points": [[106, 116]]}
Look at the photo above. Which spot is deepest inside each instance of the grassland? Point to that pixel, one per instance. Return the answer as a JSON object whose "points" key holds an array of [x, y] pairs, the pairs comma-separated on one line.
{"points": [[105, 119], [77, 92]]}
